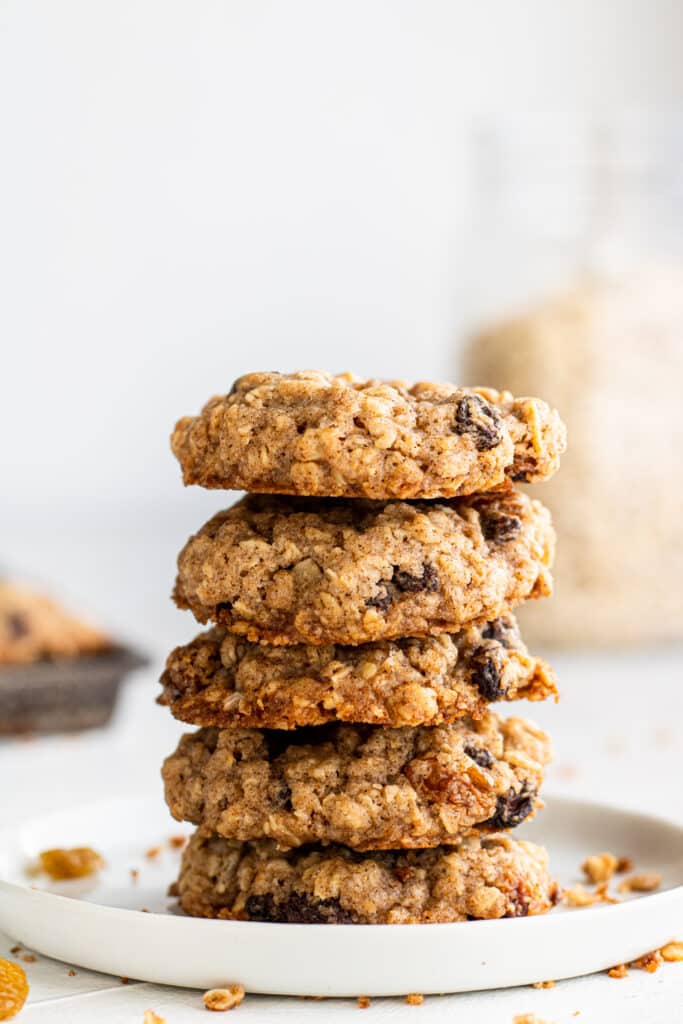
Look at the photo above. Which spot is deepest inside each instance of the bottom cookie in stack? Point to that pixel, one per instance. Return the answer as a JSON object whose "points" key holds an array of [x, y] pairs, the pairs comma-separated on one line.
{"points": [[483, 877]]}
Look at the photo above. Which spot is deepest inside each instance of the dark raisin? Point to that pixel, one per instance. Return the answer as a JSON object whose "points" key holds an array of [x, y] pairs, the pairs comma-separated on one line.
{"points": [[296, 909], [500, 528], [477, 417], [497, 630], [382, 600], [407, 583], [483, 757], [485, 674], [512, 808], [17, 624]]}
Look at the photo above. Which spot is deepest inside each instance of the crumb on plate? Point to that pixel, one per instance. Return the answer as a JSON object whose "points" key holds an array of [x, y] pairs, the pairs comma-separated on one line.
{"points": [[600, 867], [647, 882]]}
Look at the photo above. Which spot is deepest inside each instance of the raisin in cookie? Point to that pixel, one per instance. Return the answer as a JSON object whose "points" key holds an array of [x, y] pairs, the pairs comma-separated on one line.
{"points": [[224, 680], [33, 627], [366, 787], [481, 878], [320, 571], [313, 433]]}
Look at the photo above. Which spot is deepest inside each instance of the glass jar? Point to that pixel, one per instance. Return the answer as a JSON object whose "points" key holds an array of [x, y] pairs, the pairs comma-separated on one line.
{"points": [[573, 291]]}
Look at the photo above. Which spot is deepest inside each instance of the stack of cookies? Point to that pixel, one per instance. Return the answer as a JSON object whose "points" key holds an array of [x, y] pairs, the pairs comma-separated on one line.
{"points": [[348, 767]]}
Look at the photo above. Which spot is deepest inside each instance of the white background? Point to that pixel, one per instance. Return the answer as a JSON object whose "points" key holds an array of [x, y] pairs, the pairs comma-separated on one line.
{"points": [[189, 190], [192, 190]]}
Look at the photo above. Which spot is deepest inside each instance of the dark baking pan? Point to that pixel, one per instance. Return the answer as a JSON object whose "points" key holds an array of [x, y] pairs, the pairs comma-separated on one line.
{"points": [[64, 694]]}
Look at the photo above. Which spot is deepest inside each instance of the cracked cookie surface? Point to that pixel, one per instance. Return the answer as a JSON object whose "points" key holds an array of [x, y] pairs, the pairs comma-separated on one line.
{"points": [[220, 679], [317, 571], [366, 787], [313, 433], [482, 878]]}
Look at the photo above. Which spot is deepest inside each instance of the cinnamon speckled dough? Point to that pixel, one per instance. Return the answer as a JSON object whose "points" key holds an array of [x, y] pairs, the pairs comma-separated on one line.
{"points": [[312, 433], [319, 571], [34, 627], [483, 877], [365, 787], [223, 680]]}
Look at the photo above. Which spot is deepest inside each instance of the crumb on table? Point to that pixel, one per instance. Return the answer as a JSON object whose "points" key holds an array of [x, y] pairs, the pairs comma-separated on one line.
{"points": [[220, 999]]}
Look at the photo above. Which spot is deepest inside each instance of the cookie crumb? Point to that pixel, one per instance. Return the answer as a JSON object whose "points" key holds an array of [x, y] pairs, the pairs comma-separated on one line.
{"points": [[527, 1018], [620, 971], [600, 867], [624, 864], [415, 999], [672, 952], [177, 842], [153, 1018], [134, 875], [126, 981], [153, 852], [220, 999], [648, 961], [29, 958], [579, 896], [647, 882], [71, 973], [363, 1002], [15, 949], [543, 984]]}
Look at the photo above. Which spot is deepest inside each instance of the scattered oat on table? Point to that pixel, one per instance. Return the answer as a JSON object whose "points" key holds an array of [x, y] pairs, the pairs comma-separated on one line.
{"points": [[153, 1018], [528, 1018], [153, 852], [620, 971], [223, 998], [543, 984], [363, 1002], [415, 999], [648, 961], [672, 952]]}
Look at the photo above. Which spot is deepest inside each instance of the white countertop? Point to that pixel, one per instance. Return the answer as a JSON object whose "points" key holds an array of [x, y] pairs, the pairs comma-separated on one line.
{"points": [[617, 737]]}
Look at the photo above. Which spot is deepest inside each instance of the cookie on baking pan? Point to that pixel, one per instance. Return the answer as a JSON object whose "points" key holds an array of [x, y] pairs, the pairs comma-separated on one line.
{"points": [[320, 571], [312, 433], [481, 878], [366, 787], [224, 680]]}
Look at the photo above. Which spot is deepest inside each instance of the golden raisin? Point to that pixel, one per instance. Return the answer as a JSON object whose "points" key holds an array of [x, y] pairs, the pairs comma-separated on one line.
{"points": [[78, 862], [13, 989]]}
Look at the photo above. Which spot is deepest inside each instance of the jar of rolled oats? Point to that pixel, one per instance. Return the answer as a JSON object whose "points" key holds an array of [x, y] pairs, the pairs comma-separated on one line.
{"points": [[574, 292]]}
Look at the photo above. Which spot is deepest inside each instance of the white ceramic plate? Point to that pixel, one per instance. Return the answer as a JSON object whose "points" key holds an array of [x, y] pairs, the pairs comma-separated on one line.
{"points": [[100, 926]]}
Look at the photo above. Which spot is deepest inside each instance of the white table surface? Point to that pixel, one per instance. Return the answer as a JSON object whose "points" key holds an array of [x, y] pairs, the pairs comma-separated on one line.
{"points": [[617, 735]]}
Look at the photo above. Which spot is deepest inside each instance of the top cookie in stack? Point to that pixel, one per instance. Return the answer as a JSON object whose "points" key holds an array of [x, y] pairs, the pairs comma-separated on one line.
{"points": [[375, 591], [313, 433]]}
